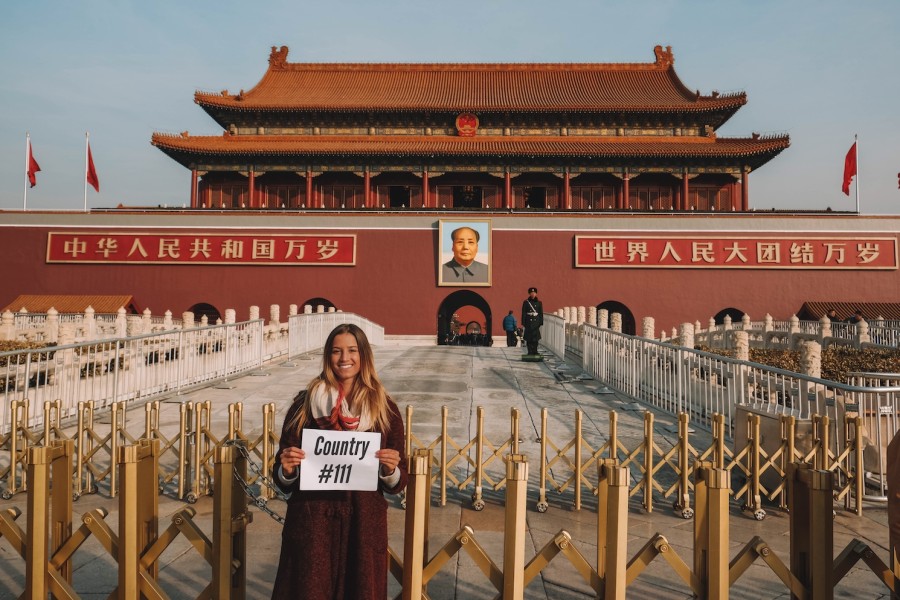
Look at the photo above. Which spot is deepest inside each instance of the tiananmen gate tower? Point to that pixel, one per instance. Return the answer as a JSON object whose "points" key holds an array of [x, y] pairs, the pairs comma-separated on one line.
{"points": [[344, 185]]}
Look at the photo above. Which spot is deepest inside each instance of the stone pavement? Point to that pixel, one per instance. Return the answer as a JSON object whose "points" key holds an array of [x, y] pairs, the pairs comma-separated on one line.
{"points": [[463, 379]]}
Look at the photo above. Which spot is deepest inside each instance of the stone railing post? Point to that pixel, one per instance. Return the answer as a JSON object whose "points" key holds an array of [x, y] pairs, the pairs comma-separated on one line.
{"points": [[167, 320], [592, 315], [862, 333], [52, 329], [648, 328], [687, 335], [769, 323], [230, 316], [147, 321], [742, 345], [204, 321], [292, 310], [254, 313], [121, 323], [615, 322], [795, 324], [603, 319], [8, 325], [745, 322], [726, 323], [582, 314], [89, 324], [811, 359], [187, 320], [307, 309], [824, 329], [274, 315]]}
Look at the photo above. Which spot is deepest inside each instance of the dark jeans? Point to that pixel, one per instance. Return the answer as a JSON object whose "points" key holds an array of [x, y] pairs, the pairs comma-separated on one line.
{"points": [[511, 340]]}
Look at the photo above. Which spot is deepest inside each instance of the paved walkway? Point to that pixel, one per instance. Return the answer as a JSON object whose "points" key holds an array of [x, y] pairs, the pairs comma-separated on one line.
{"points": [[463, 378]]}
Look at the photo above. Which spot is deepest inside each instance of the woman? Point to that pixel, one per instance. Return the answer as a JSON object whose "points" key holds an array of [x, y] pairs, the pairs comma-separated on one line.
{"points": [[334, 543]]}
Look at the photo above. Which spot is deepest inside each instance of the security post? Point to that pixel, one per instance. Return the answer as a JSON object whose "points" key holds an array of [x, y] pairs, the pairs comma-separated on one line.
{"points": [[49, 514], [514, 528], [812, 528], [612, 527], [712, 488], [415, 539], [138, 515], [231, 517]]}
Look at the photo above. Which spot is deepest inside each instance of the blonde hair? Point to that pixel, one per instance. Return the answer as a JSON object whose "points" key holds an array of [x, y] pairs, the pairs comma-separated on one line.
{"points": [[367, 391]]}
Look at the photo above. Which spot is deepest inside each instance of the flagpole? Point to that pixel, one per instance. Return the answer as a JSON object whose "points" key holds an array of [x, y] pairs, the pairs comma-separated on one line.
{"points": [[87, 146], [856, 145], [27, 166]]}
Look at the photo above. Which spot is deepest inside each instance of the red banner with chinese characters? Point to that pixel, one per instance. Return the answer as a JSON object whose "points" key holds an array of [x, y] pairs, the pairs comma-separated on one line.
{"points": [[197, 248], [704, 252]]}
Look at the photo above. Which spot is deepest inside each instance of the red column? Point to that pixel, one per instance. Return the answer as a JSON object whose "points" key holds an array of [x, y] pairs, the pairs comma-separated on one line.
{"points": [[685, 189], [745, 189], [424, 188], [625, 191], [309, 190], [567, 191], [367, 185], [194, 203], [251, 185], [507, 189]]}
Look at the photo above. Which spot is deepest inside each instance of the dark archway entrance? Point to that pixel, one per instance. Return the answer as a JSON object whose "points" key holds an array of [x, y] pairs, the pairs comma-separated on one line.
{"points": [[202, 309], [455, 322], [317, 302], [612, 306], [735, 314]]}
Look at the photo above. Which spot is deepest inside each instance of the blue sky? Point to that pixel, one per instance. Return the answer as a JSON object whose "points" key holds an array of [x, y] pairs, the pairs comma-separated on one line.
{"points": [[820, 71]]}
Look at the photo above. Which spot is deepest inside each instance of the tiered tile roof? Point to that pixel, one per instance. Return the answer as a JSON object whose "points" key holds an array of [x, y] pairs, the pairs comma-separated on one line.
{"points": [[592, 87], [452, 146], [309, 105]]}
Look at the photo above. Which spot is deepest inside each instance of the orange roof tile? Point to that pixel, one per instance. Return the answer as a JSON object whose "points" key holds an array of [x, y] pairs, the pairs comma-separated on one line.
{"points": [[471, 87], [333, 145], [41, 303]]}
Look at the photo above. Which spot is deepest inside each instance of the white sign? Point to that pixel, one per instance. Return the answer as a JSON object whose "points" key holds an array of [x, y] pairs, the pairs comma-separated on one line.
{"points": [[339, 460]]}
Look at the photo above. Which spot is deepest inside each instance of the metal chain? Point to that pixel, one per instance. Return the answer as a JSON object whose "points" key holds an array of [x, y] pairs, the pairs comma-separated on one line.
{"points": [[256, 499]]}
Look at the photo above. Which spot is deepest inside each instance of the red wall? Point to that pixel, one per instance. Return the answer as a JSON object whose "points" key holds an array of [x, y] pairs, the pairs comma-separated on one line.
{"points": [[394, 282]]}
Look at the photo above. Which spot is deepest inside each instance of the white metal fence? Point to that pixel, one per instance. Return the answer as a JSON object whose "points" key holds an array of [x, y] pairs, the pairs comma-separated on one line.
{"points": [[675, 379]]}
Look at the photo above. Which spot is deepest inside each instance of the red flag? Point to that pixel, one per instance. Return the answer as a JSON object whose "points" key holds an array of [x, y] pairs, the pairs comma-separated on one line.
{"points": [[849, 169], [91, 171], [33, 167]]}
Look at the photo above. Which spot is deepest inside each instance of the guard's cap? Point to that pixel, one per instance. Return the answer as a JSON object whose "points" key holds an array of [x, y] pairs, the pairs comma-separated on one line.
{"points": [[532, 289]]}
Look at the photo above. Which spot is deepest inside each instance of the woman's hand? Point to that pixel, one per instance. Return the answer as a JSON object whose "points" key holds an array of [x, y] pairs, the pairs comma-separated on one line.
{"points": [[389, 459], [290, 460]]}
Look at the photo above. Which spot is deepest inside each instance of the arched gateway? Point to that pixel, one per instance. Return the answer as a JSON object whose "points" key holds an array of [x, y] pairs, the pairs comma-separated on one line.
{"points": [[451, 306]]}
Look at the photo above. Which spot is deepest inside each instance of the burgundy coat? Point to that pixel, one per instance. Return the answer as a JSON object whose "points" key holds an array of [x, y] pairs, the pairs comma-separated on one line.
{"points": [[334, 543]]}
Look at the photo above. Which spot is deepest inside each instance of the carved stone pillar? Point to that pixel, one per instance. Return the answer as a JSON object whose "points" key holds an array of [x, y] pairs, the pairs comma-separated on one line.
{"points": [[811, 359], [687, 335], [648, 329], [742, 345]]}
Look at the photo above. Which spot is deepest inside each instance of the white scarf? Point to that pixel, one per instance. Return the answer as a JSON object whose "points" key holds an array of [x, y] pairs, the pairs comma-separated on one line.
{"points": [[329, 408]]}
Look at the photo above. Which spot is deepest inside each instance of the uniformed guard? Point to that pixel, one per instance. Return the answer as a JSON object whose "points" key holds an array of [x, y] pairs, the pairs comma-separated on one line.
{"points": [[532, 319]]}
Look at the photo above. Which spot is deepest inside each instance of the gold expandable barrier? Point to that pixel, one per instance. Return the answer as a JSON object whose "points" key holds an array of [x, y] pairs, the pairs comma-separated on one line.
{"points": [[48, 544]]}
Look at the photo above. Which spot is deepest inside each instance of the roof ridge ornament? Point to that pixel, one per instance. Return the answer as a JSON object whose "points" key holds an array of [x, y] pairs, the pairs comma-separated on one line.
{"points": [[664, 58], [278, 57]]}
